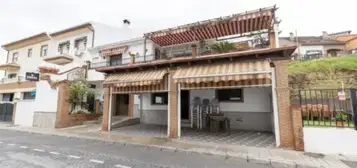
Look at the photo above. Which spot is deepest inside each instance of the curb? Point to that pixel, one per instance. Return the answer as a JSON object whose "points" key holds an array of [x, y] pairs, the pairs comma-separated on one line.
{"points": [[246, 157]]}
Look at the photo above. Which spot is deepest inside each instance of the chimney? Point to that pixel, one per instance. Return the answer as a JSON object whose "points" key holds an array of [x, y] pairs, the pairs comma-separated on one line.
{"points": [[324, 35], [292, 38]]}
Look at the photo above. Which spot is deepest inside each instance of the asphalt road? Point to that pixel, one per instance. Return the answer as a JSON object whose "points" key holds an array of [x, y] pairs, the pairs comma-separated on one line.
{"points": [[27, 150]]}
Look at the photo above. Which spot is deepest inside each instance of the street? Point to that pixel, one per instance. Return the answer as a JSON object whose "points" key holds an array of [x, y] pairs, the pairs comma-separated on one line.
{"points": [[28, 150]]}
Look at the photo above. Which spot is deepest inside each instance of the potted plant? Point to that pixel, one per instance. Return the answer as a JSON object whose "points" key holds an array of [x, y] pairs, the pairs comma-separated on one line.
{"points": [[340, 119], [132, 57], [223, 47]]}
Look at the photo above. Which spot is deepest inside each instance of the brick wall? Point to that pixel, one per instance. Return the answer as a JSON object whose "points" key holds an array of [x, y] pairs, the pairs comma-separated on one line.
{"points": [[283, 99], [173, 132], [105, 110], [63, 117]]}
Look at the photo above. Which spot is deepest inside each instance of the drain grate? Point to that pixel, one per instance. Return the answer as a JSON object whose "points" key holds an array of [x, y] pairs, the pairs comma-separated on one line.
{"points": [[314, 155]]}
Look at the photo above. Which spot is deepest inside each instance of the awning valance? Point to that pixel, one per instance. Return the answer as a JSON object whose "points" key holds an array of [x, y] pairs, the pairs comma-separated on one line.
{"points": [[232, 71], [113, 51], [136, 78]]}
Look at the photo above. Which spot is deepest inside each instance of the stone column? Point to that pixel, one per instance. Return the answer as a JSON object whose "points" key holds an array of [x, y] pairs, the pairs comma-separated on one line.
{"points": [[131, 106], [283, 101], [173, 132], [105, 115]]}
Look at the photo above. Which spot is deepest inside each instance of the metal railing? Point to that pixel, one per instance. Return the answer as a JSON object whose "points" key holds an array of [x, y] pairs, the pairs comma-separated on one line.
{"points": [[13, 80], [326, 107]]}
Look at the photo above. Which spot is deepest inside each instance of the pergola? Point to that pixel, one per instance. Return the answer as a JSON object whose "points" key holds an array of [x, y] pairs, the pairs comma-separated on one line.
{"points": [[236, 24]]}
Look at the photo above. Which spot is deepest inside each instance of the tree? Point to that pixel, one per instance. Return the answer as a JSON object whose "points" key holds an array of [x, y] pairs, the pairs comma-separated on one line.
{"points": [[78, 92]]}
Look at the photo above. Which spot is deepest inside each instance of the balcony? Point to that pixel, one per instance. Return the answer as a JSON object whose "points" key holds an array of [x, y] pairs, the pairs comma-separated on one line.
{"points": [[10, 67], [12, 80], [60, 59]]}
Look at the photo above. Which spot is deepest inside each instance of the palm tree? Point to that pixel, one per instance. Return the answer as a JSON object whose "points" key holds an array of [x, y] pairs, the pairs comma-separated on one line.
{"points": [[223, 47]]}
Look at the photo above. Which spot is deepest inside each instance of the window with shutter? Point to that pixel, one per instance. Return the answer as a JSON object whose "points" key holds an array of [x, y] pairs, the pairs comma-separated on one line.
{"points": [[80, 43], [63, 48]]}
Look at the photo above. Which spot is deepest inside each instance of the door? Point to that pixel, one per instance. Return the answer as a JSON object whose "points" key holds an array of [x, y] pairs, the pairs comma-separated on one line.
{"points": [[123, 104], [115, 60], [185, 104], [6, 111]]}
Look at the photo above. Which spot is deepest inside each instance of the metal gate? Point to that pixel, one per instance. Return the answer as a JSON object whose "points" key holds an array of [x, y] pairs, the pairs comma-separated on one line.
{"points": [[328, 107], [6, 111]]}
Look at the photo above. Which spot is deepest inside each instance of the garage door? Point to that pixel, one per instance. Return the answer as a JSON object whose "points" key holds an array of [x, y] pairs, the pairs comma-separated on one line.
{"points": [[6, 111]]}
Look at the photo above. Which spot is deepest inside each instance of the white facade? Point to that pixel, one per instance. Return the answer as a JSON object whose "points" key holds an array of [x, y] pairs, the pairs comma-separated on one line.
{"points": [[330, 140]]}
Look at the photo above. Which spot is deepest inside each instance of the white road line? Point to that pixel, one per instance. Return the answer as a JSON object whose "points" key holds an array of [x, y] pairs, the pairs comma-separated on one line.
{"points": [[73, 156], [39, 150], [24, 147], [96, 161], [122, 166], [1, 142], [11, 144], [54, 153]]}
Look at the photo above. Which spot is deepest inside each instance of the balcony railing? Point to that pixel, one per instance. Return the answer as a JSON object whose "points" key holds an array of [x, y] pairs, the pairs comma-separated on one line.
{"points": [[12, 80]]}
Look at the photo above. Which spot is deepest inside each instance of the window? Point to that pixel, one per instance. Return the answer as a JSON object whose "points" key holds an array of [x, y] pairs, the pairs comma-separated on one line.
{"points": [[15, 57], [230, 95], [63, 48], [92, 86], [28, 96], [8, 97], [80, 43], [29, 52], [44, 50], [10, 76], [159, 98]]}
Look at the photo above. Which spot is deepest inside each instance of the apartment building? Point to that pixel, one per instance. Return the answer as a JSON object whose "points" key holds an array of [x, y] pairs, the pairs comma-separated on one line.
{"points": [[59, 55], [183, 75]]}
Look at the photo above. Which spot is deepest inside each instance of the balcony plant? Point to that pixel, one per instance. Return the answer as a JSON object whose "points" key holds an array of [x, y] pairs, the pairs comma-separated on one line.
{"points": [[340, 119], [132, 57], [223, 47]]}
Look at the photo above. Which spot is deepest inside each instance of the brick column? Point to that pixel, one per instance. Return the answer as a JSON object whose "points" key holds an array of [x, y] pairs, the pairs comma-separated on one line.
{"points": [[272, 40], [297, 127], [105, 115], [97, 107], [131, 106], [63, 106], [194, 50], [283, 101], [173, 132], [13, 113]]}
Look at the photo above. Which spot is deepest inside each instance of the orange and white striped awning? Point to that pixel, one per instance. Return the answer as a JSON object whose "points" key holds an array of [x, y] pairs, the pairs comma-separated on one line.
{"points": [[113, 51], [232, 71], [142, 78]]}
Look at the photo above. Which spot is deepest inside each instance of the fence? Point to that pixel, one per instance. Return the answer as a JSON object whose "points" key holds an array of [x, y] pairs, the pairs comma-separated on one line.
{"points": [[327, 107]]}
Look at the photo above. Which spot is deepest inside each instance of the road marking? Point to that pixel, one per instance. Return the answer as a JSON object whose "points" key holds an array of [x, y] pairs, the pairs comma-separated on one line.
{"points": [[122, 166], [1, 142], [39, 150], [24, 147], [73, 156], [54, 153], [96, 161], [11, 144]]}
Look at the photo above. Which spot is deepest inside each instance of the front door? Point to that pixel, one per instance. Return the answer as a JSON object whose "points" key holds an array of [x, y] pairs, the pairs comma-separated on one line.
{"points": [[123, 104], [185, 104]]}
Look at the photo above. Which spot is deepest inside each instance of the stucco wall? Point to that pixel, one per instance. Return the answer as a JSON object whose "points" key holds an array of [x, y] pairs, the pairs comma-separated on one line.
{"points": [[24, 113], [46, 98], [153, 114], [330, 140]]}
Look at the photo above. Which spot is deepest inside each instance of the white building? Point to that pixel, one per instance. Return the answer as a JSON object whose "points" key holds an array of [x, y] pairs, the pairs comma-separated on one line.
{"points": [[64, 52]]}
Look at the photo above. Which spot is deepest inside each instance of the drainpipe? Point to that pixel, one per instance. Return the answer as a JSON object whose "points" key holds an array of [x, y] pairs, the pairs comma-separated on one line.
{"points": [[93, 35]]}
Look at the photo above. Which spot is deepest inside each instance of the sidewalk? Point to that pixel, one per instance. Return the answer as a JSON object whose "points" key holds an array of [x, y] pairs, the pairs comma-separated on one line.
{"points": [[268, 156]]}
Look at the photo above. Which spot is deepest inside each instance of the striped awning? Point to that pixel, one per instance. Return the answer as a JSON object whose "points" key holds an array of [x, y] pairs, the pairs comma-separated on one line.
{"points": [[113, 51], [232, 71], [136, 78]]}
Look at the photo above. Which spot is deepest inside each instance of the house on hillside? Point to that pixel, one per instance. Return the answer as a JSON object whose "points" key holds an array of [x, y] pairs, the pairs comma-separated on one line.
{"points": [[350, 40], [310, 47]]}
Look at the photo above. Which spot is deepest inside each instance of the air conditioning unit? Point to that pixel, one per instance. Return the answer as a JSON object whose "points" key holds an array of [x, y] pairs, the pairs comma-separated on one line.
{"points": [[79, 53]]}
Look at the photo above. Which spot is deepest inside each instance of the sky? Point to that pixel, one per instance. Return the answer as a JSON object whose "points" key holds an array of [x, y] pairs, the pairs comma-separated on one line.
{"points": [[23, 18]]}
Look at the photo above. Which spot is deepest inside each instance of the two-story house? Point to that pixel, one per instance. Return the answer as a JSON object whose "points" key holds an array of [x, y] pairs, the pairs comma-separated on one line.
{"points": [[226, 71], [59, 55], [310, 47]]}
